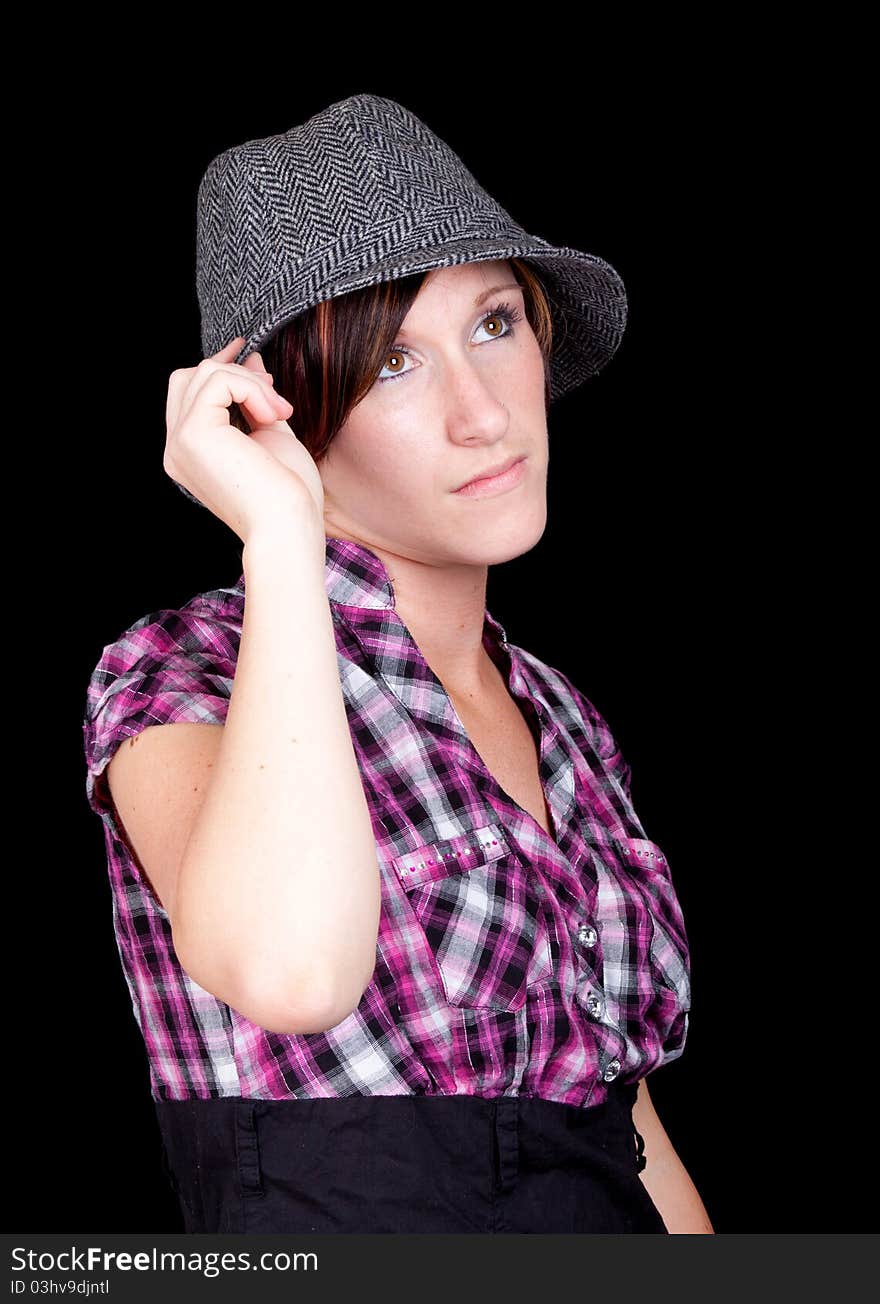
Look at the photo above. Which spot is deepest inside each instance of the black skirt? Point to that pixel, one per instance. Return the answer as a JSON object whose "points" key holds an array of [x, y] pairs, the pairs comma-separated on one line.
{"points": [[407, 1164]]}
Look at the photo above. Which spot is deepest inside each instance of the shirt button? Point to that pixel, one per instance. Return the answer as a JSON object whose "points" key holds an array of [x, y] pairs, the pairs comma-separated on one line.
{"points": [[594, 1005], [612, 1068], [587, 935]]}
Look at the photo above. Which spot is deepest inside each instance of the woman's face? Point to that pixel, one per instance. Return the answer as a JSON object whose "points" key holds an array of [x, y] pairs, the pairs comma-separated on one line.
{"points": [[466, 395]]}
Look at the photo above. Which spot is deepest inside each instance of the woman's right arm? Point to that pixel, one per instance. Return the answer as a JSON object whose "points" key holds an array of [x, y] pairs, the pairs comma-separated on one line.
{"points": [[256, 835]]}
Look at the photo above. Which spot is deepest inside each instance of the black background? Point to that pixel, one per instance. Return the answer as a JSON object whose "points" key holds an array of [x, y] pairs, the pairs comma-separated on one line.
{"points": [[680, 530]]}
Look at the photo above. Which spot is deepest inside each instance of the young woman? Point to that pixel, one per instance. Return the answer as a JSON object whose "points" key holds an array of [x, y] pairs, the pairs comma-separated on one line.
{"points": [[401, 952]]}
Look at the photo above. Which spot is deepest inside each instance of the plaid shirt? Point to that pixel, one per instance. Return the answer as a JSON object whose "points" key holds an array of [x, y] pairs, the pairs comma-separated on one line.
{"points": [[507, 962]]}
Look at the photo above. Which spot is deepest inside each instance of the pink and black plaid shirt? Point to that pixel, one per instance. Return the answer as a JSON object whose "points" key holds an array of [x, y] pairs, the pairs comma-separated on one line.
{"points": [[508, 962]]}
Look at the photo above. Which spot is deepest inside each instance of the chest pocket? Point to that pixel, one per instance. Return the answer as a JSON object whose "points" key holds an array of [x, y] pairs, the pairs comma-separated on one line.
{"points": [[484, 923]]}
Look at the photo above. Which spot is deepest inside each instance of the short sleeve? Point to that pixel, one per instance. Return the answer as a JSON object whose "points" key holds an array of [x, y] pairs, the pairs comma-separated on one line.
{"points": [[602, 739], [169, 666]]}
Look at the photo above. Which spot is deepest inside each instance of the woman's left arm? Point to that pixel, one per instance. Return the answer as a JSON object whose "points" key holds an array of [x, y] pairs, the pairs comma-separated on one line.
{"points": [[664, 1176]]}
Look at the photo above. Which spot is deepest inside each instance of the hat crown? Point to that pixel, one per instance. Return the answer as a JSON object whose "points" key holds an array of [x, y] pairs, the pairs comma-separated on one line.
{"points": [[364, 174]]}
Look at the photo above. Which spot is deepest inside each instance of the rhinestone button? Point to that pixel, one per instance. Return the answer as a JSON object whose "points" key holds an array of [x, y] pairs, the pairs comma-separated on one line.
{"points": [[587, 935], [612, 1068], [594, 1005]]}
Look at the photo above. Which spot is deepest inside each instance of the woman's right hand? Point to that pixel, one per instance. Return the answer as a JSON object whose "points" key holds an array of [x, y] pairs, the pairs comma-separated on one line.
{"points": [[245, 480]]}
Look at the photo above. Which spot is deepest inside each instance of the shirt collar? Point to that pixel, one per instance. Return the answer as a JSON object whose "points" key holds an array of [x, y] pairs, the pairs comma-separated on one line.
{"points": [[359, 586]]}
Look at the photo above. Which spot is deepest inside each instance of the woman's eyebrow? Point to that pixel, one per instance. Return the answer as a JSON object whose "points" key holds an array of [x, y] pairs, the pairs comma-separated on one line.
{"points": [[494, 289]]}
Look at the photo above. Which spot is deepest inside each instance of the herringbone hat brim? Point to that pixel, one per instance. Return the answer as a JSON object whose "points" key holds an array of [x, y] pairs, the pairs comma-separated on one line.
{"points": [[364, 192]]}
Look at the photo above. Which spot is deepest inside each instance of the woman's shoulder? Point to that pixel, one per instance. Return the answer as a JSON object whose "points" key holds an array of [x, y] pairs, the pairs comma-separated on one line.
{"points": [[209, 622], [562, 692], [577, 712]]}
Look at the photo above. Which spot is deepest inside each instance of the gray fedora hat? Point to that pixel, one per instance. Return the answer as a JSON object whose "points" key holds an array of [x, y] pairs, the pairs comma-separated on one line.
{"points": [[365, 192]]}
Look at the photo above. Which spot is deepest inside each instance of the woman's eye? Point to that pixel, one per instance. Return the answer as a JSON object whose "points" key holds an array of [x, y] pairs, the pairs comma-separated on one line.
{"points": [[498, 322], [503, 314], [397, 357]]}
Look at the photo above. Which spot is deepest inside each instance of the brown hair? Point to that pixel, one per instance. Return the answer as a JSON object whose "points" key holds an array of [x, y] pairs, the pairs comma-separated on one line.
{"points": [[325, 360]]}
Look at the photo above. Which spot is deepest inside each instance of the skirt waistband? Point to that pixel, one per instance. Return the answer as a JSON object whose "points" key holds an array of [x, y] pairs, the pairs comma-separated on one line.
{"points": [[224, 1156]]}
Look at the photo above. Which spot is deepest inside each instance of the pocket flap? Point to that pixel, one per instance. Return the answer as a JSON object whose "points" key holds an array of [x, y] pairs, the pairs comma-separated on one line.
{"points": [[436, 860], [642, 852]]}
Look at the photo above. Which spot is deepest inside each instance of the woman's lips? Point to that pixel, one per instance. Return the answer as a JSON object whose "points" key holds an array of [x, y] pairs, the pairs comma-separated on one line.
{"points": [[496, 484]]}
